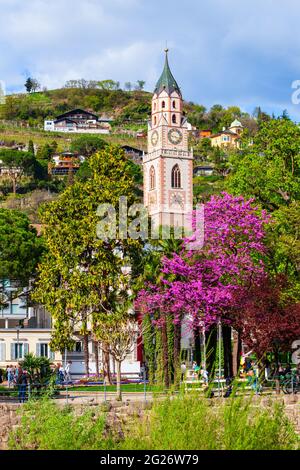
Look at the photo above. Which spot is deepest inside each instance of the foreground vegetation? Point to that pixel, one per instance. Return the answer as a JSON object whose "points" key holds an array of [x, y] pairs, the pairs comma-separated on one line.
{"points": [[201, 424]]}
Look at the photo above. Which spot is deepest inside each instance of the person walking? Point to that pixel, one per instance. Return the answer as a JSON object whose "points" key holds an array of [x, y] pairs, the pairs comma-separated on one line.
{"points": [[10, 376], [61, 374], [67, 375], [183, 371], [22, 385]]}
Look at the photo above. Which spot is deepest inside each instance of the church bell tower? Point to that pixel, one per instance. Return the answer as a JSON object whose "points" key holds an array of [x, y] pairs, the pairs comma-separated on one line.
{"points": [[168, 165]]}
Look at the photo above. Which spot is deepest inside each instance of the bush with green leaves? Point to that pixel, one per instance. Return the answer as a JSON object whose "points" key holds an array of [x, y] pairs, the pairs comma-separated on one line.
{"points": [[46, 426], [240, 423], [38, 368], [186, 422]]}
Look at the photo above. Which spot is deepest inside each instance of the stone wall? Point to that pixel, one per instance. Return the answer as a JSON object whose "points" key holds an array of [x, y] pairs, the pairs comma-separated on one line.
{"points": [[8, 421], [121, 414]]}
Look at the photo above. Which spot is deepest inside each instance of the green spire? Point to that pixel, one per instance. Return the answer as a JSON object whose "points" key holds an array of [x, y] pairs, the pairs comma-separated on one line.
{"points": [[166, 81]]}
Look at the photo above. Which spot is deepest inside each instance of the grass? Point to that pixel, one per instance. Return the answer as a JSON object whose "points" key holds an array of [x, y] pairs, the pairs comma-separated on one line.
{"points": [[240, 423], [40, 137], [186, 422], [55, 428], [113, 388]]}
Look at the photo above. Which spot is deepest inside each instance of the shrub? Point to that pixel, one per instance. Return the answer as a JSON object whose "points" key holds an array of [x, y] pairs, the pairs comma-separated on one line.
{"points": [[190, 422], [44, 425]]}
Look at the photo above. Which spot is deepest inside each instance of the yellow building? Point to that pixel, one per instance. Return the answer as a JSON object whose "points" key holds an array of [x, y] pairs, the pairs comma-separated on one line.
{"points": [[228, 137]]}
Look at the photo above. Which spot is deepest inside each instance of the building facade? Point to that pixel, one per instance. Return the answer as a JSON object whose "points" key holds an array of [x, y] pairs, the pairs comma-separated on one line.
{"points": [[24, 328], [65, 163], [168, 165], [230, 137], [78, 120]]}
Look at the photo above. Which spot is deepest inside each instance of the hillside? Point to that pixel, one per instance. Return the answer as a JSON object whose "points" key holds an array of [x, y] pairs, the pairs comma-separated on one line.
{"points": [[127, 108]]}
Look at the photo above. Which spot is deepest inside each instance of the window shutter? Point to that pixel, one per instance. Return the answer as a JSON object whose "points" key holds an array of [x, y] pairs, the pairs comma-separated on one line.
{"points": [[2, 352], [12, 352], [26, 348], [38, 350]]}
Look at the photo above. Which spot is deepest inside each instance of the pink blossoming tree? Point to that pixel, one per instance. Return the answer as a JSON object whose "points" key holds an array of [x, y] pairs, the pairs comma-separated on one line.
{"points": [[200, 283]]}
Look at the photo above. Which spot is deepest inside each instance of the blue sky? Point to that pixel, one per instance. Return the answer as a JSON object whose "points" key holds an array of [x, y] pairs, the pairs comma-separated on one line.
{"points": [[232, 52]]}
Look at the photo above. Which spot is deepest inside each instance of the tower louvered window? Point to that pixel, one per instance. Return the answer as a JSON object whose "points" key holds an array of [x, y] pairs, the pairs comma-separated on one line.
{"points": [[176, 177], [152, 178]]}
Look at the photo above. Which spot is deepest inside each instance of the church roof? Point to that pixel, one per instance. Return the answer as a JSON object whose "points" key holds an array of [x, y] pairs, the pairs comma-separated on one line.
{"points": [[166, 81]]}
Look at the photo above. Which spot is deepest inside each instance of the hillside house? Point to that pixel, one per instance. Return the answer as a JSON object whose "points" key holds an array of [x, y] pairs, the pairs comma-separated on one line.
{"points": [[64, 163], [78, 120], [230, 137]]}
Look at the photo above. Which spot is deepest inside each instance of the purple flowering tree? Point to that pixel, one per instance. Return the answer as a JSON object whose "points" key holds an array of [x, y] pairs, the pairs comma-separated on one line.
{"points": [[200, 283]]}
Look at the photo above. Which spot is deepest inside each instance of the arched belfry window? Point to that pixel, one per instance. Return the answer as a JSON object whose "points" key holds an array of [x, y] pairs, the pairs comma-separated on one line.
{"points": [[174, 118], [163, 104], [152, 178], [176, 177], [154, 106], [174, 104], [154, 120]]}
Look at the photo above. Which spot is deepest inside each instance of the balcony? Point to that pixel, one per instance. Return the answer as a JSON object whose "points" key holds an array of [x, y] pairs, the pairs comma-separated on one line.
{"points": [[169, 153], [17, 310], [13, 300]]}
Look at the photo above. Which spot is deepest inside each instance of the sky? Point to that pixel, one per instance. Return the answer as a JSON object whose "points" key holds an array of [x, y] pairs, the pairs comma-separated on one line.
{"points": [[229, 52]]}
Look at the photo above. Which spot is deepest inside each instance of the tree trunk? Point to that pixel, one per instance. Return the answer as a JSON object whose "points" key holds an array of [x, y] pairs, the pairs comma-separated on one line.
{"points": [[197, 340], [106, 365], [86, 353], [226, 333], [170, 327], [177, 341], [239, 353], [14, 182], [236, 353], [119, 392], [96, 347], [165, 354], [211, 349]]}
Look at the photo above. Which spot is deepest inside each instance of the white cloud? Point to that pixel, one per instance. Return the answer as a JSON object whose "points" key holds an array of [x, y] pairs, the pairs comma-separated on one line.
{"points": [[227, 51]]}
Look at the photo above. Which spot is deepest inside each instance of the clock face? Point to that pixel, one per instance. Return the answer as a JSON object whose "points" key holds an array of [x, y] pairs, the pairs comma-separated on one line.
{"points": [[177, 199], [175, 136], [154, 138]]}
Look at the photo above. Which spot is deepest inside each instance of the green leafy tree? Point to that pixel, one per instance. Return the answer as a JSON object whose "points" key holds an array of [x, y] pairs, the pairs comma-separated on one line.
{"points": [[46, 152], [16, 165], [82, 273], [87, 145], [140, 85], [38, 368], [128, 86], [32, 84], [28, 85], [31, 147], [270, 169], [20, 248], [84, 172], [118, 333], [108, 85]]}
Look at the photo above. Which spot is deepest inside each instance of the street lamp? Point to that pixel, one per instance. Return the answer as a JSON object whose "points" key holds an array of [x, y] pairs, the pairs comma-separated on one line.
{"points": [[18, 339]]}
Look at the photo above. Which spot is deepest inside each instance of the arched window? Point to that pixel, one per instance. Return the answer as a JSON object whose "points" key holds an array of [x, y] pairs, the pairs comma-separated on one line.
{"points": [[174, 104], [154, 106], [174, 118], [163, 104], [154, 120], [176, 177], [152, 178]]}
